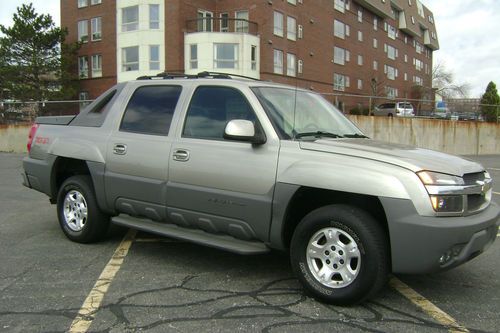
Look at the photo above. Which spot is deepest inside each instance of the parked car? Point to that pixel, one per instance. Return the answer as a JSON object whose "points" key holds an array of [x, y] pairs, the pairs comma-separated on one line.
{"points": [[249, 166], [399, 109], [441, 113]]}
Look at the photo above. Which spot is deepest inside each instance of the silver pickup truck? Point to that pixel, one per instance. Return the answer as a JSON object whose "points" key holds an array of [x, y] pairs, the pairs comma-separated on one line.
{"points": [[248, 166]]}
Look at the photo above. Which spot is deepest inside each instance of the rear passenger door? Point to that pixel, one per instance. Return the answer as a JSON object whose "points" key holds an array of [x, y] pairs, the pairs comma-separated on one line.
{"points": [[218, 185], [138, 152]]}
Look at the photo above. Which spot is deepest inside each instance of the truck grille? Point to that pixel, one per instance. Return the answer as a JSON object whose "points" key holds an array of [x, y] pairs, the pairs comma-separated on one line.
{"points": [[477, 201]]}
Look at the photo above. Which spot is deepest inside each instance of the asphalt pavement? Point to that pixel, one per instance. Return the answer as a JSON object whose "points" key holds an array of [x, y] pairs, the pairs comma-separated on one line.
{"points": [[164, 285]]}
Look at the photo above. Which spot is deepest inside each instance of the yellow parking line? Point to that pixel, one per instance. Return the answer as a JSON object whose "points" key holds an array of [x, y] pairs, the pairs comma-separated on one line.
{"points": [[496, 169], [427, 306], [93, 301], [497, 193]]}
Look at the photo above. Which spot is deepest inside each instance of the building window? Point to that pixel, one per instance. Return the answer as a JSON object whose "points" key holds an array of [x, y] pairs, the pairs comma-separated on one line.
{"points": [[341, 5], [391, 72], [360, 60], [340, 55], [130, 59], [193, 56], [360, 16], [96, 65], [83, 3], [278, 24], [406, 76], [291, 28], [96, 27], [391, 32], [154, 57], [375, 42], [290, 64], [406, 58], [360, 36], [154, 16], [340, 29], [375, 24], [95, 2], [375, 65], [225, 55], [241, 24], [130, 18], [83, 67], [83, 31], [300, 66], [360, 84], [419, 65], [391, 92], [205, 20], [84, 96], [278, 62], [292, 2], [340, 82], [392, 52], [253, 57], [224, 22], [300, 33]]}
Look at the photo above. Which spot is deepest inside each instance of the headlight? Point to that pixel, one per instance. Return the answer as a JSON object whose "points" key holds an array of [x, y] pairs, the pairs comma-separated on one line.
{"points": [[434, 178], [436, 182]]}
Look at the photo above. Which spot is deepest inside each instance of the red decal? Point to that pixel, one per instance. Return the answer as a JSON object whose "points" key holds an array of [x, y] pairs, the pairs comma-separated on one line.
{"points": [[41, 140]]}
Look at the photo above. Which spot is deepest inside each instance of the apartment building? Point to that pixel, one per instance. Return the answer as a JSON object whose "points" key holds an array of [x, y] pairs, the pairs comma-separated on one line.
{"points": [[351, 47]]}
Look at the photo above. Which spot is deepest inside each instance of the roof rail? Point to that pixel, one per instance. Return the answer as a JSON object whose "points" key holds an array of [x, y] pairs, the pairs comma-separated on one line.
{"points": [[201, 75], [220, 75]]}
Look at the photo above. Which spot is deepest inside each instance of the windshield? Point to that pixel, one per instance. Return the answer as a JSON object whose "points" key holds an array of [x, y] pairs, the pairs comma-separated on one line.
{"points": [[296, 114]]}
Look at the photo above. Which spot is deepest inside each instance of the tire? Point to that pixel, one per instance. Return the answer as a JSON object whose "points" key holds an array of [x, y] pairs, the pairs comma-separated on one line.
{"points": [[313, 255], [79, 216], [390, 115]]}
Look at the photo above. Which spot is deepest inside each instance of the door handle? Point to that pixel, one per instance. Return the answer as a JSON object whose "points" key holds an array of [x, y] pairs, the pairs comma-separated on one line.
{"points": [[120, 149], [181, 155]]}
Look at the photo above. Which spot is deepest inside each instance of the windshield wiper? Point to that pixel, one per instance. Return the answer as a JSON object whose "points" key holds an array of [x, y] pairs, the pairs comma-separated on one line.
{"points": [[317, 134], [356, 135]]}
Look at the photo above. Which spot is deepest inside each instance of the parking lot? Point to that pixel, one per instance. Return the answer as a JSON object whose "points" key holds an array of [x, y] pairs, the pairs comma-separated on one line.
{"points": [[163, 285]]}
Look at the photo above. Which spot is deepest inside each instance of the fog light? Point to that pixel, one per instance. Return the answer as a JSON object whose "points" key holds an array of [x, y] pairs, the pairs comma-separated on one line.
{"points": [[445, 257], [447, 203]]}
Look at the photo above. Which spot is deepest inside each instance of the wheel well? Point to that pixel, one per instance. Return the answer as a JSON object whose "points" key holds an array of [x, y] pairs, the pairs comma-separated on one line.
{"points": [[307, 199], [63, 169]]}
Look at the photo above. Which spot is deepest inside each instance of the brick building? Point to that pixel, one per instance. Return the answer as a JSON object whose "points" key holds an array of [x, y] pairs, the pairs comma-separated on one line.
{"points": [[354, 47]]}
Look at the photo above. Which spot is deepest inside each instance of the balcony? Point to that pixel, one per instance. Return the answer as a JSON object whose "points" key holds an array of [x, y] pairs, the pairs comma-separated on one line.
{"points": [[226, 25], [222, 45], [381, 8]]}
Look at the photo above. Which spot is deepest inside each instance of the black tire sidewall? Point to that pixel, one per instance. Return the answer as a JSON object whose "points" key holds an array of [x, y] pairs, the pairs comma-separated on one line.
{"points": [[83, 185], [341, 217]]}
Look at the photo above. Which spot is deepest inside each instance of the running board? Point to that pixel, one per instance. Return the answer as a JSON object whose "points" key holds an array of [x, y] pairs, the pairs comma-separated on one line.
{"points": [[222, 242]]}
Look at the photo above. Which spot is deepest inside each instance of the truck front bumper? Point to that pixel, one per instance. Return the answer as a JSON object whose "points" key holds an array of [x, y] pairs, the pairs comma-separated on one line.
{"points": [[422, 244]]}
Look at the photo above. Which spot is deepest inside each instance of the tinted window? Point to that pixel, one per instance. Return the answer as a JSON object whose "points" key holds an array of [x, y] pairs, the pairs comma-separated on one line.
{"points": [[150, 110], [212, 108]]}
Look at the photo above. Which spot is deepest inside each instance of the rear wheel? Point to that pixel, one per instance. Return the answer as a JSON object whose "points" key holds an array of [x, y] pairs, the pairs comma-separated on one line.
{"points": [[340, 254], [79, 216]]}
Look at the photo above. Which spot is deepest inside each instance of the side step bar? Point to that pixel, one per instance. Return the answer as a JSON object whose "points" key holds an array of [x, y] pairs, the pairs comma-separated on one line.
{"points": [[222, 242]]}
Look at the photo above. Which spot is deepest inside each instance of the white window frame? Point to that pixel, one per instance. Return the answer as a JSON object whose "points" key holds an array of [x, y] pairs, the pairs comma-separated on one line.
{"points": [[130, 63], [340, 55], [340, 29], [341, 5], [292, 2], [291, 64], [375, 43], [360, 16], [154, 65], [234, 61], [278, 29], [340, 82], [253, 57], [277, 61], [154, 24], [205, 19], [96, 65], [95, 2], [83, 3], [193, 61], [132, 25], [360, 84], [360, 36], [291, 28], [83, 67], [96, 28], [360, 59], [83, 31], [242, 26]]}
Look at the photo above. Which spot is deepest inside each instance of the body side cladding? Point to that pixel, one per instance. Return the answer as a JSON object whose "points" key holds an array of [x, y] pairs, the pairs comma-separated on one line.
{"points": [[283, 195], [96, 170]]}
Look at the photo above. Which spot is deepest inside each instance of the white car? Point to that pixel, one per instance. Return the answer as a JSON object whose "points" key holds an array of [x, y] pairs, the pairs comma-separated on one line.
{"points": [[399, 109]]}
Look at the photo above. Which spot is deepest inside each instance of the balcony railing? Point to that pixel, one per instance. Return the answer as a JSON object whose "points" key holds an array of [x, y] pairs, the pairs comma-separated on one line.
{"points": [[221, 24]]}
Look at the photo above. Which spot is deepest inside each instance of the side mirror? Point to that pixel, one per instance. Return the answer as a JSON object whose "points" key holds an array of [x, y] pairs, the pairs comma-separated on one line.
{"points": [[243, 130]]}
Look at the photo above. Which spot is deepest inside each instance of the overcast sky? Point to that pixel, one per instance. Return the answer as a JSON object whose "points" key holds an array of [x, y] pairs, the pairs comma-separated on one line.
{"points": [[467, 29]]}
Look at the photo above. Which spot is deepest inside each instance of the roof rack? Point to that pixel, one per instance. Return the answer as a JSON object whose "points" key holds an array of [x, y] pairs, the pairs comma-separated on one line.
{"points": [[201, 75]]}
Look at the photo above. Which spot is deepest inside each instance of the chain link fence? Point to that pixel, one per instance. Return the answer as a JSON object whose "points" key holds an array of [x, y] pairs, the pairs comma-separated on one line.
{"points": [[14, 112]]}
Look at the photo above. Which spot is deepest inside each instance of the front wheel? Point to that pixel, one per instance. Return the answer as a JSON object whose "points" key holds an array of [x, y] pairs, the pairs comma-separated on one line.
{"points": [[340, 254], [79, 216]]}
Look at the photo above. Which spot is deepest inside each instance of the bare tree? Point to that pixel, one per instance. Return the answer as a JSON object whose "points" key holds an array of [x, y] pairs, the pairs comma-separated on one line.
{"points": [[443, 82]]}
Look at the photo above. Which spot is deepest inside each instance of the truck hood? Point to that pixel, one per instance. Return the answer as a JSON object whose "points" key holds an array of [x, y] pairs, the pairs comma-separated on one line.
{"points": [[409, 157]]}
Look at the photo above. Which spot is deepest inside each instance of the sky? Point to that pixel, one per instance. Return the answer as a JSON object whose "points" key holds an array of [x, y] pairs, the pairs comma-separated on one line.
{"points": [[467, 30]]}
